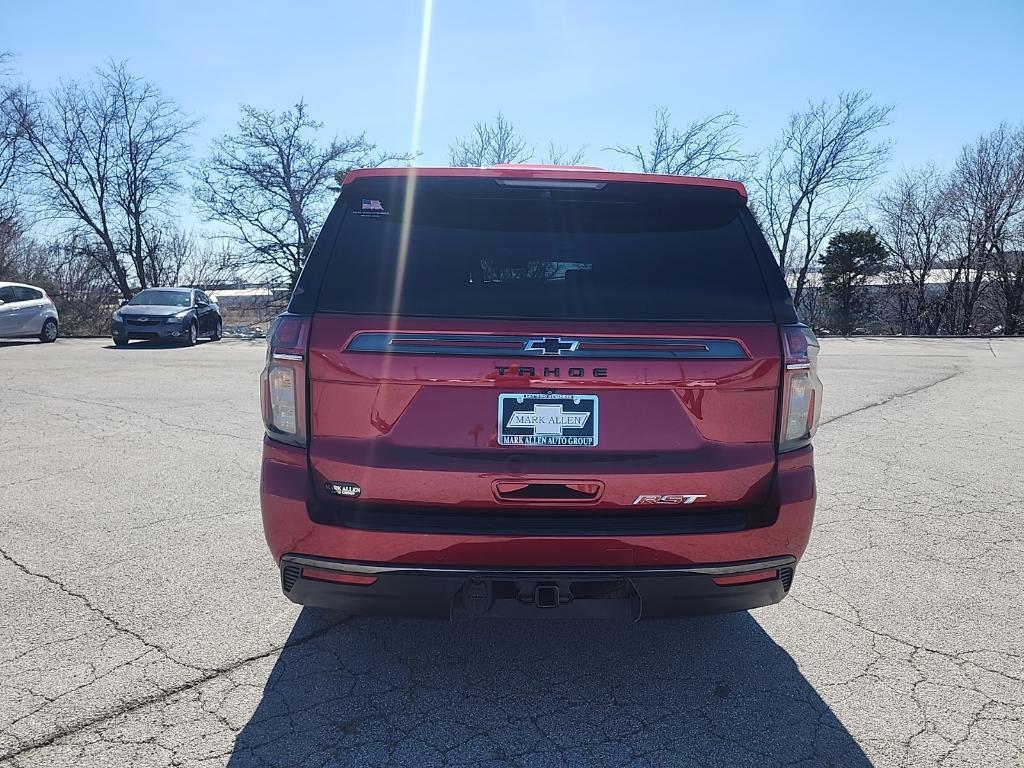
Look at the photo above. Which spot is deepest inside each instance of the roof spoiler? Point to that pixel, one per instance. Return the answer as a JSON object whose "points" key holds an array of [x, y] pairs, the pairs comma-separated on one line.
{"points": [[547, 173]]}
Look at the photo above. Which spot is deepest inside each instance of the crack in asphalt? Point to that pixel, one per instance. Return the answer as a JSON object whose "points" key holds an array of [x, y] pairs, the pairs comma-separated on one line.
{"points": [[956, 658], [896, 396], [143, 701], [118, 626], [37, 478], [142, 414]]}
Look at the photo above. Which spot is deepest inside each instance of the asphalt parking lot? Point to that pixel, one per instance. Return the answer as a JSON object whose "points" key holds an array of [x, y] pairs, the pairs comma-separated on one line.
{"points": [[143, 623]]}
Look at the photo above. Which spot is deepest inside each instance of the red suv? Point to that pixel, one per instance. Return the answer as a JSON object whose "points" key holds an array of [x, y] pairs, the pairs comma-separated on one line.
{"points": [[538, 391]]}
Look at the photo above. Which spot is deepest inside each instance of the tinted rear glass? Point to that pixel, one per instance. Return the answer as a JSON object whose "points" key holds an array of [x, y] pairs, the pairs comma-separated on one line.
{"points": [[535, 254], [23, 293]]}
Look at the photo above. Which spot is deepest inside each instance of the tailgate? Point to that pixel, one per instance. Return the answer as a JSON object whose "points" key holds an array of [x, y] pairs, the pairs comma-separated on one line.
{"points": [[416, 412]]}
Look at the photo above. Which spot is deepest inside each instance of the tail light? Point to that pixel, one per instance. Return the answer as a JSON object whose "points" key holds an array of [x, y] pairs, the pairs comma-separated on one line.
{"points": [[283, 381], [801, 388]]}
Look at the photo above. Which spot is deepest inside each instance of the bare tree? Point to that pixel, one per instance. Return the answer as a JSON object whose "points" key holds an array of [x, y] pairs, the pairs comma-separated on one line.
{"points": [[210, 263], [559, 154], [987, 199], [820, 219], [493, 143], [824, 161], [105, 156], [913, 215], [1008, 265], [13, 245], [187, 260], [148, 132], [701, 148], [179, 258], [170, 248], [271, 183], [10, 144], [71, 274]]}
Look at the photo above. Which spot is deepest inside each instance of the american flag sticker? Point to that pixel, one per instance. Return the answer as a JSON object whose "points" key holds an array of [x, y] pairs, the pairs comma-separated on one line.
{"points": [[373, 206]]}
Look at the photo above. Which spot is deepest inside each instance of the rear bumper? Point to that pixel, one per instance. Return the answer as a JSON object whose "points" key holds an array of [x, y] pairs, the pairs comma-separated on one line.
{"points": [[291, 532], [634, 594]]}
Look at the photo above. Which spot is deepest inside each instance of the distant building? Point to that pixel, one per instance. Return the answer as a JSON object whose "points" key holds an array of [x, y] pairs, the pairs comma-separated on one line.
{"points": [[891, 304], [253, 305]]}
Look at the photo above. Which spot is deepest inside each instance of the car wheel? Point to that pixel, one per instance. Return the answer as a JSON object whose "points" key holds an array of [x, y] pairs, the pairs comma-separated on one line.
{"points": [[193, 334], [120, 342], [49, 332], [218, 331]]}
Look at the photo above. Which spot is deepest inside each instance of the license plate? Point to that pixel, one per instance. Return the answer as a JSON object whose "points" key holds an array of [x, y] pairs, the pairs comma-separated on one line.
{"points": [[547, 419]]}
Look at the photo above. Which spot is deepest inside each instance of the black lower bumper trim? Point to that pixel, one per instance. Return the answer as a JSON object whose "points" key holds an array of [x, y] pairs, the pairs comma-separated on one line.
{"points": [[149, 336], [515, 593], [520, 521]]}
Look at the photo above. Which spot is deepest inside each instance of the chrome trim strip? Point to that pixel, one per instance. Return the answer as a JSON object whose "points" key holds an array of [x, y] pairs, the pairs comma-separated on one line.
{"points": [[284, 356], [488, 345], [797, 366], [377, 569]]}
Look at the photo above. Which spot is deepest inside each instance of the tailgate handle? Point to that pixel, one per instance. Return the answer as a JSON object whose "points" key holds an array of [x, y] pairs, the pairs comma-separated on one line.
{"points": [[570, 491]]}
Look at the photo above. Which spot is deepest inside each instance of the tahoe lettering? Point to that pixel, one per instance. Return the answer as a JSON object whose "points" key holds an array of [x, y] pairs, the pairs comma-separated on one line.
{"points": [[550, 372]]}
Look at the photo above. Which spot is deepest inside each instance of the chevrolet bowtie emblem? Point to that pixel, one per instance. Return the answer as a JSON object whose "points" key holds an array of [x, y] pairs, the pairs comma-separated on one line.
{"points": [[551, 345]]}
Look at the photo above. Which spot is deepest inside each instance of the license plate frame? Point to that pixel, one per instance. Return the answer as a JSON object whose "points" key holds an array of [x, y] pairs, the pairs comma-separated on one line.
{"points": [[554, 425]]}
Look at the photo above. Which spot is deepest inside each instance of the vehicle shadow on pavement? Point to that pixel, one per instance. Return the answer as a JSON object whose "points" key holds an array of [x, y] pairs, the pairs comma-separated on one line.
{"points": [[696, 692], [21, 343], [137, 346]]}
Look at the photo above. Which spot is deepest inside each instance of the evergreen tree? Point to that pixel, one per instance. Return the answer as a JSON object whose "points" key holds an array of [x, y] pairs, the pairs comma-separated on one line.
{"points": [[850, 259]]}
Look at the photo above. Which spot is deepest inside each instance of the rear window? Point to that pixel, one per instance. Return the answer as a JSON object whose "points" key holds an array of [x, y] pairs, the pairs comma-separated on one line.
{"points": [[24, 293], [625, 254]]}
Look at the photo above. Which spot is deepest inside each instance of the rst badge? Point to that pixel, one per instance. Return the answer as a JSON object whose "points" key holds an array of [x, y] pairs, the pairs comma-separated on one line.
{"points": [[669, 498], [547, 419]]}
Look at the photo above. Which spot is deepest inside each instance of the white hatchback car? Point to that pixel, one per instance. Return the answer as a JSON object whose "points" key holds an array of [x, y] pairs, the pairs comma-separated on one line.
{"points": [[27, 311]]}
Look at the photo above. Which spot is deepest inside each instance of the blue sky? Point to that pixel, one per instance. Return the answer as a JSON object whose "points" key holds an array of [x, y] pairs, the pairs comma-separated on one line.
{"points": [[577, 72]]}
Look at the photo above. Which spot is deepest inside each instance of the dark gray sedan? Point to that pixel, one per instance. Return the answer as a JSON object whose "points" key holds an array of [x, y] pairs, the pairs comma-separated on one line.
{"points": [[171, 314]]}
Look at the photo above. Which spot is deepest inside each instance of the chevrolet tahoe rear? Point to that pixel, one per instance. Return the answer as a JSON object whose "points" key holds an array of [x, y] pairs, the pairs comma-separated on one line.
{"points": [[538, 391]]}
